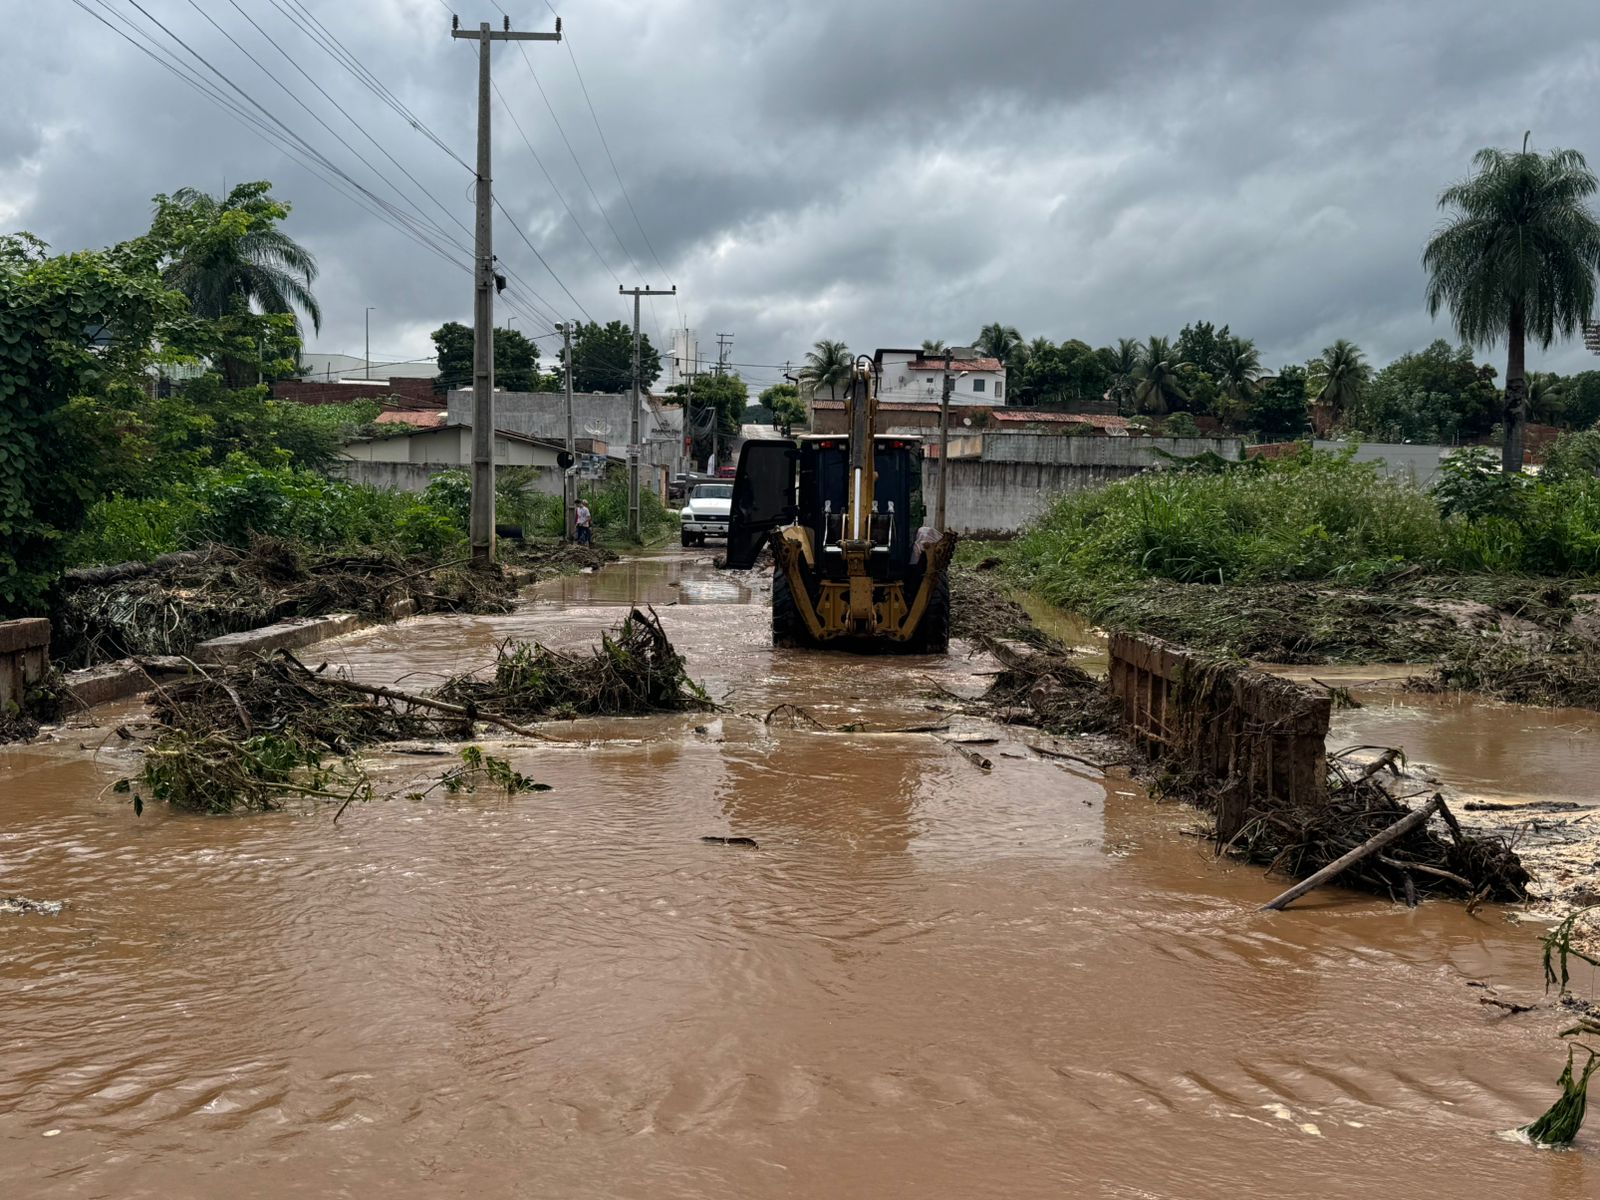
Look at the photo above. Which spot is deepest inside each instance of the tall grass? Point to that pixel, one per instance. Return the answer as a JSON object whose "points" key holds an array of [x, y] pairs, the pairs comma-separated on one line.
{"points": [[1317, 518]]}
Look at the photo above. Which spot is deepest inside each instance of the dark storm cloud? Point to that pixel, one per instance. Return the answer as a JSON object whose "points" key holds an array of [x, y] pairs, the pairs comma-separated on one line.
{"points": [[876, 170]]}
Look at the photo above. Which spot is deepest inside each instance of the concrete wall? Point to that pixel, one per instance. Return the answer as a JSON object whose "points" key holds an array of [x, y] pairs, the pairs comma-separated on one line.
{"points": [[1090, 450], [24, 657], [1418, 463], [1021, 473], [451, 445], [543, 415], [414, 477]]}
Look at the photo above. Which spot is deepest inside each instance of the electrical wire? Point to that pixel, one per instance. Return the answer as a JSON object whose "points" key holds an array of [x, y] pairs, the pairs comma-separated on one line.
{"points": [[279, 136]]}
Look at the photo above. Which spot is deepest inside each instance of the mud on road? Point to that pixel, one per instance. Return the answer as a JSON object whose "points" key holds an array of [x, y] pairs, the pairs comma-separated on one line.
{"points": [[925, 979]]}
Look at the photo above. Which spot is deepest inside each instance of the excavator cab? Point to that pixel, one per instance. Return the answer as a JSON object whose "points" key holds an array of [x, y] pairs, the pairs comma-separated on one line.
{"points": [[855, 564]]}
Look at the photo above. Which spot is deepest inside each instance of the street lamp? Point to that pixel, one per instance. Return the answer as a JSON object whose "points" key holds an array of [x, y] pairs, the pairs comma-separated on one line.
{"points": [[366, 371]]}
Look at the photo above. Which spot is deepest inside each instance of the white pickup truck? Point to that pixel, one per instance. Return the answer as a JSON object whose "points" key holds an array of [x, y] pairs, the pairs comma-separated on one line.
{"points": [[706, 513]]}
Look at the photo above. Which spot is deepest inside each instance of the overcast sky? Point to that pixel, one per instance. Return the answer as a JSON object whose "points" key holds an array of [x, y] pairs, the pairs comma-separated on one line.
{"points": [[878, 171]]}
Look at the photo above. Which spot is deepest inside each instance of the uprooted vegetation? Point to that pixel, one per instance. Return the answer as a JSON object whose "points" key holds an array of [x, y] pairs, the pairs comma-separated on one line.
{"points": [[255, 735], [1514, 673], [168, 606]]}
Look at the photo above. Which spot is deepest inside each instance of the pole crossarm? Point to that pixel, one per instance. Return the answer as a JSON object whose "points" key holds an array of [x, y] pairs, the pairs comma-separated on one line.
{"points": [[481, 506]]}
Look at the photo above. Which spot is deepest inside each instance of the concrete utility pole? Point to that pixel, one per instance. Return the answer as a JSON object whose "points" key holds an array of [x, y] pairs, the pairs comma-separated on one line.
{"points": [[569, 481], [944, 441], [484, 280], [367, 372], [724, 344], [635, 448]]}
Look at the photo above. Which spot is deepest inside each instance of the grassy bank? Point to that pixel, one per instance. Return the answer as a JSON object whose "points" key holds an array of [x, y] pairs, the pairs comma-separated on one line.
{"points": [[1320, 559]]}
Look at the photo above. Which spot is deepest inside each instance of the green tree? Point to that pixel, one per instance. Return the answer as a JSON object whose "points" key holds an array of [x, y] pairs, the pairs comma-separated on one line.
{"points": [[1236, 365], [716, 402], [1121, 362], [998, 340], [1581, 400], [516, 360], [1437, 394], [1203, 345], [602, 358], [783, 401], [932, 346], [1337, 379], [1516, 259], [77, 333], [1068, 374], [1156, 387], [1278, 413], [230, 259], [828, 365]]}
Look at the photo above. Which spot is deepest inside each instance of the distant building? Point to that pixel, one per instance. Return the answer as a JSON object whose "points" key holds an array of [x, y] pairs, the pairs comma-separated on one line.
{"points": [[912, 377]]}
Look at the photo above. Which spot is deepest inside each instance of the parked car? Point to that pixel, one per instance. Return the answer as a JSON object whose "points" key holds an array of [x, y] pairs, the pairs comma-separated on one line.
{"points": [[706, 514], [727, 472]]}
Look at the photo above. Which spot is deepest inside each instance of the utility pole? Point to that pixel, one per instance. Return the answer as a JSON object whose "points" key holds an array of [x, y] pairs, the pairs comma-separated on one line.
{"points": [[367, 372], [569, 481], [944, 441], [635, 448], [484, 287], [724, 344]]}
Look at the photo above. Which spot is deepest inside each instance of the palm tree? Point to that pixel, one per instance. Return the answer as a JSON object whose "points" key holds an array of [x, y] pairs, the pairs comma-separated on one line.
{"points": [[932, 346], [239, 261], [828, 365], [997, 340], [1122, 362], [1336, 380], [1517, 259], [1238, 366], [1156, 376]]}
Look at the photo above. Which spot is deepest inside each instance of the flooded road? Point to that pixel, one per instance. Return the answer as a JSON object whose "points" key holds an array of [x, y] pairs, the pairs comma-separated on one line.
{"points": [[927, 981]]}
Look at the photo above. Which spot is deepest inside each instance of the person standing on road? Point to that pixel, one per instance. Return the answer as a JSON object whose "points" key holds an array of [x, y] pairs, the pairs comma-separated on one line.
{"points": [[584, 523]]}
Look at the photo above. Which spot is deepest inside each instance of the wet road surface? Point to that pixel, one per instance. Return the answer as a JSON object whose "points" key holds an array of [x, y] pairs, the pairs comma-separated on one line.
{"points": [[927, 981]]}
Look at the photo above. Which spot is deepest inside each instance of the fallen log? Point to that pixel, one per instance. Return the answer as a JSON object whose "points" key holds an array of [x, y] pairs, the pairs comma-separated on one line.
{"points": [[1367, 848]]}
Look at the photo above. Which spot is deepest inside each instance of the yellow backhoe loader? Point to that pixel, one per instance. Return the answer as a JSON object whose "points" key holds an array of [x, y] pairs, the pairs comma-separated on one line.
{"points": [[855, 566]]}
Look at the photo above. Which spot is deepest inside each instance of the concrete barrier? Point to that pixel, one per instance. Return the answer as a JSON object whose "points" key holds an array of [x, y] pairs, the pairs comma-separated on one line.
{"points": [[24, 657], [1261, 737]]}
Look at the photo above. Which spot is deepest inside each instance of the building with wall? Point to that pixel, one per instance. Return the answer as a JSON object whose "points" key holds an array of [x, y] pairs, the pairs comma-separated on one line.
{"points": [[910, 377]]}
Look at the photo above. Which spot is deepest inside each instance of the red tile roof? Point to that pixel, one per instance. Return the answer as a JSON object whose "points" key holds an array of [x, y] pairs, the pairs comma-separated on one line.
{"points": [[419, 418], [957, 364], [1025, 417]]}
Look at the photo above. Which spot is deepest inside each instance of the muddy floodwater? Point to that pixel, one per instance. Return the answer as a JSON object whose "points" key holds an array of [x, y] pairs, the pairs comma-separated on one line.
{"points": [[926, 981]]}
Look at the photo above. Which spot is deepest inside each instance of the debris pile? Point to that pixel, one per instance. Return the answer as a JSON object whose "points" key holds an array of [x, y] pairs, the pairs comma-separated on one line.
{"points": [[981, 608], [1302, 839], [1045, 688], [247, 736], [1517, 674], [166, 606], [635, 670]]}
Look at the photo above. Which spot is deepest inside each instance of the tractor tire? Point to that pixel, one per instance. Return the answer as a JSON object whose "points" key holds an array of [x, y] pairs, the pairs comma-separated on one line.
{"points": [[788, 630], [933, 633]]}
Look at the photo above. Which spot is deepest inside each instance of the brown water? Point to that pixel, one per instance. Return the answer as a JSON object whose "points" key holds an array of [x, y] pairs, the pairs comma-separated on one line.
{"points": [[926, 982]]}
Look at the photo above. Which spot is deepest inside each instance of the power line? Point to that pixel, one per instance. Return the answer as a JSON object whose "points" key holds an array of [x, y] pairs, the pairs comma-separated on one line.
{"points": [[510, 112], [323, 91], [264, 127], [308, 23]]}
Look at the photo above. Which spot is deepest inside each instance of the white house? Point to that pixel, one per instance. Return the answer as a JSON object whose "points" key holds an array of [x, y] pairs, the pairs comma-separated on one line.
{"points": [[911, 377]]}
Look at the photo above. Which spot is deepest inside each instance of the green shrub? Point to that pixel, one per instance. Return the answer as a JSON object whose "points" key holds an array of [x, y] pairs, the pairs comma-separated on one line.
{"points": [[232, 503], [1317, 516]]}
